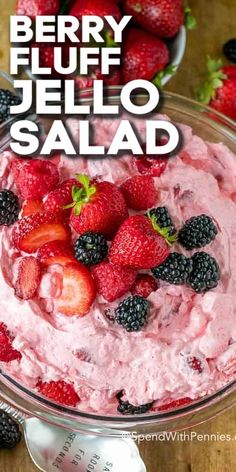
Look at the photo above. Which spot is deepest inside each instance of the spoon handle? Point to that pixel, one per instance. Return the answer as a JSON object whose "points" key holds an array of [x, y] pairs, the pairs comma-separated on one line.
{"points": [[16, 414]]}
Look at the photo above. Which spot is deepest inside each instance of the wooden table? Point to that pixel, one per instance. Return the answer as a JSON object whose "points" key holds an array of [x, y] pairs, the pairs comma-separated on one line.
{"points": [[216, 24]]}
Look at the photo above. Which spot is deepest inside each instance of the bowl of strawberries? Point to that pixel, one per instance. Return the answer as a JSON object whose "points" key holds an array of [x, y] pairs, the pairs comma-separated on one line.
{"points": [[153, 44]]}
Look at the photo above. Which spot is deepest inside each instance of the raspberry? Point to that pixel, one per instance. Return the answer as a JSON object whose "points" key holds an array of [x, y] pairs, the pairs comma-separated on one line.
{"points": [[112, 281], [34, 178], [59, 391], [144, 285], [139, 192]]}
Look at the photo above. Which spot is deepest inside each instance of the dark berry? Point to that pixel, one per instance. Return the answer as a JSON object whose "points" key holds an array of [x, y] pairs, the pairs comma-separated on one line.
{"points": [[229, 50], [197, 232], [10, 434], [132, 313], [9, 207], [125, 408], [175, 269], [91, 248], [7, 99], [205, 272], [163, 219]]}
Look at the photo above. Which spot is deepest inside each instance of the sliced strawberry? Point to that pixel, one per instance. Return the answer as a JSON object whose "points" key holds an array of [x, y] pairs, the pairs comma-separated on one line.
{"points": [[7, 352], [78, 291], [32, 232], [173, 404], [59, 391], [28, 278], [61, 196], [56, 252], [30, 207], [112, 281]]}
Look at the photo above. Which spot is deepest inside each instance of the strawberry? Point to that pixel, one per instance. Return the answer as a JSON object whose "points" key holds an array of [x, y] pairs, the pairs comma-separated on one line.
{"points": [[46, 55], [59, 391], [138, 245], [144, 285], [83, 81], [112, 281], [144, 56], [60, 196], [32, 232], [7, 352], [98, 207], [28, 277], [195, 364], [34, 177], [160, 17], [173, 404], [219, 88], [139, 192], [78, 291], [95, 7], [34, 8], [30, 207], [56, 252]]}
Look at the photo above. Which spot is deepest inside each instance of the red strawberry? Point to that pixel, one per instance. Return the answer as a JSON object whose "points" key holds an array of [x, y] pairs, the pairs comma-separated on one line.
{"points": [[98, 207], [35, 177], [33, 8], [28, 277], [160, 17], [30, 207], [60, 196], [78, 291], [219, 89], [32, 232], [112, 281], [83, 81], [46, 55], [95, 7], [56, 252], [144, 56], [195, 364], [144, 285], [173, 404], [138, 245], [59, 391], [7, 352], [139, 192]]}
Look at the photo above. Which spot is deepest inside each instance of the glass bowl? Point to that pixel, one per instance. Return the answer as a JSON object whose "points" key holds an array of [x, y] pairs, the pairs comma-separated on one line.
{"points": [[210, 126]]}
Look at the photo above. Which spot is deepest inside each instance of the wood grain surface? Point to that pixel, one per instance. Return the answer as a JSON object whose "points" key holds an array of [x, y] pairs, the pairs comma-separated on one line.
{"points": [[216, 23]]}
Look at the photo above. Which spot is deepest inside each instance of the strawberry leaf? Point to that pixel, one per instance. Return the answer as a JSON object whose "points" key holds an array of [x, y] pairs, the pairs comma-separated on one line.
{"points": [[169, 70], [164, 232], [190, 22]]}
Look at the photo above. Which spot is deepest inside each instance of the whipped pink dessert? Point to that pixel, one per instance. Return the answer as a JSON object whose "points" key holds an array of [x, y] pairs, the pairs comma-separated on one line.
{"points": [[187, 347]]}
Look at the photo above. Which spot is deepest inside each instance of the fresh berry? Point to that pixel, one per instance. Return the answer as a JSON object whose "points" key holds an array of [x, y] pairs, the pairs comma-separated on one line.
{"points": [[195, 364], [56, 252], [174, 404], [33, 8], [7, 99], [61, 196], [111, 281], [125, 408], [28, 277], [86, 81], [219, 88], [35, 177], [78, 292], [95, 7], [144, 55], [149, 164], [205, 273], [46, 55], [162, 18], [9, 207], [32, 232], [132, 313], [139, 192], [30, 207], [7, 352], [10, 434], [163, 219], [138, 245], [197, 232], [98, 206], [144, 285], [229, 50], [91, 248], [175, 269], [59, 391]]}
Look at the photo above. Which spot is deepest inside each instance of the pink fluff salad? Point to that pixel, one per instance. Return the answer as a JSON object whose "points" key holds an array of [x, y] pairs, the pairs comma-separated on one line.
{"points": [[101, 358]]}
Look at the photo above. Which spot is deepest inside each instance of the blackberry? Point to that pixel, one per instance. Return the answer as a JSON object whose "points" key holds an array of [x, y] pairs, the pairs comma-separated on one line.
{"points": [[91, 248], [205, 272], [10, 434], [197, 232], [7, 99], [132, 313], [229, 50], [163, 219], [9, 207], [175, 269], [125, 408]]}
